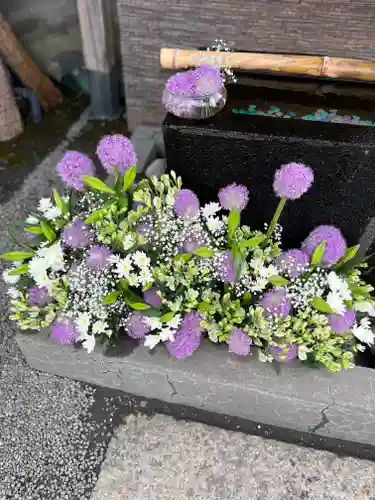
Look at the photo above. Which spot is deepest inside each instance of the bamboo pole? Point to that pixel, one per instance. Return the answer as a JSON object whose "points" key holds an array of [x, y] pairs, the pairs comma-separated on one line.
{"points": [[316, 66], [10, 119], [21, 63]]}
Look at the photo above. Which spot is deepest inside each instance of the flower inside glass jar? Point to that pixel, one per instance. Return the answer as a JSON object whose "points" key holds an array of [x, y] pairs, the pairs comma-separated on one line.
{"points": [[195, 94]]}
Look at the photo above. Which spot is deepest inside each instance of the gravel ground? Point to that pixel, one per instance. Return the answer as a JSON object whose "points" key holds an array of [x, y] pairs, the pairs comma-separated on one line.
{"points": [[164, 459], [53, 431]]}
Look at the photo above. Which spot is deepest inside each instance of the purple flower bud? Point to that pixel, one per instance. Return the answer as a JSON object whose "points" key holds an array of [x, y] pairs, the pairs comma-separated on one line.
{"points": [[76, 235], [188, 336], [72, 167], [38, 296], [225, 267], [335, 243], [293, 180], [293, 262], [275, 303], [116, 151], [98, 257], [234, 196], [63, 331], [151, 298], [239, 342], [342, 323], [136, 326], [186, 204], [289, 352]]}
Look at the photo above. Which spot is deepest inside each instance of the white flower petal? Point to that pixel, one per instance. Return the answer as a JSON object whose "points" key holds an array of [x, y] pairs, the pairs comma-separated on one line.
{"points": [[11, 280], [336, 303], [210, 209], [363, 332], [151, 341], [89, 343]]}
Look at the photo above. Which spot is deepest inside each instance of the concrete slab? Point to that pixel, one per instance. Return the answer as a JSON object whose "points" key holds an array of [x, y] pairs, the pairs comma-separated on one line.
{"points": [[299, 398]]}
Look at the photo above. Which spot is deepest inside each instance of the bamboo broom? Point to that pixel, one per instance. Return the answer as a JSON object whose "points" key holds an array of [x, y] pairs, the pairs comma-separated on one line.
{"points": [[21, 63], [316, 66]]}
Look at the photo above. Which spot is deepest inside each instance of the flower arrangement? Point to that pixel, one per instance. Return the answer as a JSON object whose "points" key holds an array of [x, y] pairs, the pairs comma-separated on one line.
{"points": [[148, 261]]}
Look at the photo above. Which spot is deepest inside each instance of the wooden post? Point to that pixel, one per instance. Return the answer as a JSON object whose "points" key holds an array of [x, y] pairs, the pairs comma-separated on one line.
{"points": [[10, 118], [98, 43]]}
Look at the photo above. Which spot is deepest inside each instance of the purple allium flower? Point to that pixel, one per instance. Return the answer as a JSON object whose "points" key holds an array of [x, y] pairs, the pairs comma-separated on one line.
{"points": [[225, 267], [234, 196], [98, 257], [136, 326], [289, 352], [341, 323], [293, 180], [72, 167], [188, 336], [63, 331], [202, 81], [293, 262], [38, 296], [76, 235], [276, 303], [239, 342], [186, 204], [335, 243], [116, 151], [151, 298]]}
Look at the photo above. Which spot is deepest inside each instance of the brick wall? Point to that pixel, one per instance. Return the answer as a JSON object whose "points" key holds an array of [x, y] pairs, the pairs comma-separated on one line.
{"points": [[343, 28]]}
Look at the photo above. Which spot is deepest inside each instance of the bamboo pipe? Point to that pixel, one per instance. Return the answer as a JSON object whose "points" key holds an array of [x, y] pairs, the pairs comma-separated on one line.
{"points": [[10, 119], [317, 66]]}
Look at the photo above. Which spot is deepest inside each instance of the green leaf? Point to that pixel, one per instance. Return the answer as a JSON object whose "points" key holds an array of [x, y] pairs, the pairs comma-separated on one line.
{"points": [[22, 269], [238, 260], [95, 216], [318, 253], [123, 202], [350, 253], [246, 297], [111, 298], [204, 252], [183, 256], [16, 256], [97, 184], [138, 306], [204, 306], [59, 201], [277, 280], [233, 222], [48, 231], [34, 229], [167, 317], [253, 242], [152, 313], [321, 305], [117, 182], [129, 177]]}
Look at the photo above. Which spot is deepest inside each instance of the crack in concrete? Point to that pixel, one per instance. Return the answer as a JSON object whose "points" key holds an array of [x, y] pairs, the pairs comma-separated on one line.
{"points": [[324, 419], [171, 385]]}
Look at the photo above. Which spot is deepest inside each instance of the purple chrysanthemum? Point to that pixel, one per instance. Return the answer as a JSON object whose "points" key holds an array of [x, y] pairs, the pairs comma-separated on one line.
{"points": [[98, 257], [72, 167], [293, 180], [234, 196], [188, 336], [289, 352], [38, 296], [116, 151], [136, 326], [152, 298], [225, 267], [186, 204], [239, 342], [293, 262], [76, 235], [341, 323], [63, 331], [276, 303], [335, 243]]}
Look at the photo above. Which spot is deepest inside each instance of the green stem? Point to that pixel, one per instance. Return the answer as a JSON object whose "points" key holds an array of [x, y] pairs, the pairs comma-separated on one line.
{"points": [[275, 220]]}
